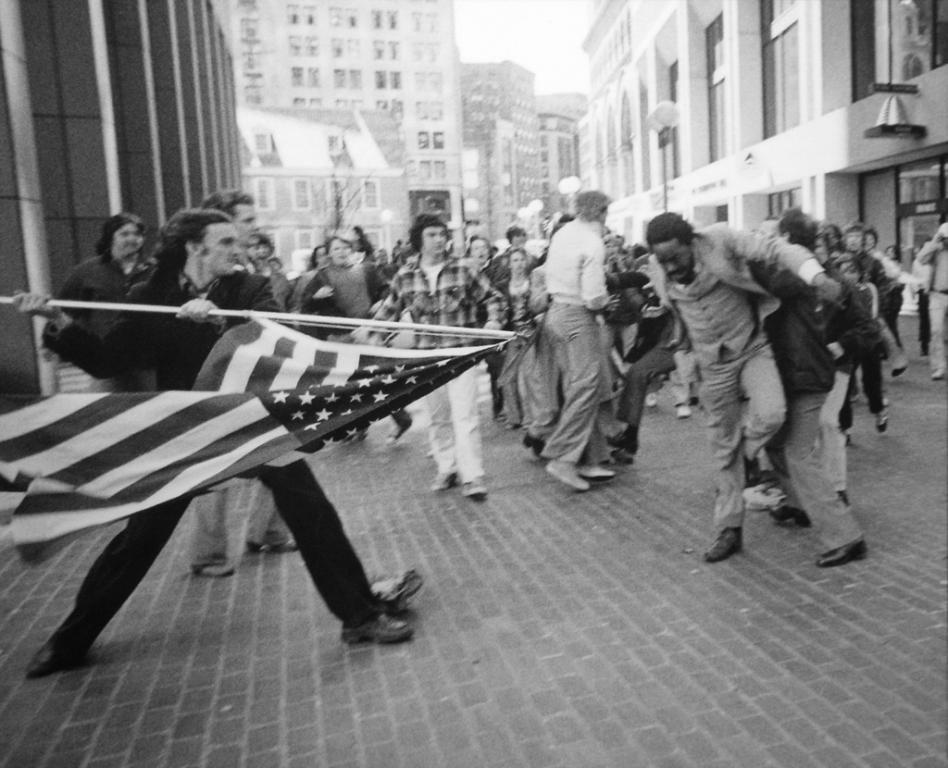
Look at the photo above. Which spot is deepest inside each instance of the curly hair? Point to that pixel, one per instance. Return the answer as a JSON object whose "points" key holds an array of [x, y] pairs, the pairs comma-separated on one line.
{"points": [[185, 226], [110, 226]]}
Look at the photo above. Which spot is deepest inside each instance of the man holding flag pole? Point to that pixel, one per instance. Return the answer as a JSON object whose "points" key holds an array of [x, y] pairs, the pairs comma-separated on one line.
{"points": [[192, 273]]}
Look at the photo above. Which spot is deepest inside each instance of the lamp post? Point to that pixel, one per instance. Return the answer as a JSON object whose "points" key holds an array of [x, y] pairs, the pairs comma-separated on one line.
{"points": [[386, 217], [662, 120], [336, 153], [568, 187]]}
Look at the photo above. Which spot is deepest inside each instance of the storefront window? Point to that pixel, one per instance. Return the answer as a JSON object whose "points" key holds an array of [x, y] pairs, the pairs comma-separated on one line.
{"points": [[921, 181]]}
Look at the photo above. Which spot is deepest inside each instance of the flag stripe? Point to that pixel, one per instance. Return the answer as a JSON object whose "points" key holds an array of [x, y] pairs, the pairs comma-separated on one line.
{"points": [[40, 415], [103, 434], [180, 448], [237, 375]]}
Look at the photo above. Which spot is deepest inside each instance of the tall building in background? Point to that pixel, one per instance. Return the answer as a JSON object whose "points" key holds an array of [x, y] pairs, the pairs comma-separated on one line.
{"points": [[502, 171], [105, 106], [394, 56], [558, 117], [837, 106]]}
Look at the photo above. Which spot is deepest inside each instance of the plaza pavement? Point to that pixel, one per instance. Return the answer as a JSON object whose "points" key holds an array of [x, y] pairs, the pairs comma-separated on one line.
{"points": [[556, 630]]}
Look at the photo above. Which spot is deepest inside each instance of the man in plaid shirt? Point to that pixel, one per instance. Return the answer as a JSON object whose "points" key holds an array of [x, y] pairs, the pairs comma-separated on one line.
{"points": [[437, 291]]}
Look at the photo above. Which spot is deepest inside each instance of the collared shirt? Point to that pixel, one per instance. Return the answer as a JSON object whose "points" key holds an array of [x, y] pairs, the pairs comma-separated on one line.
{"points": [[455, 300], [575, 266]]}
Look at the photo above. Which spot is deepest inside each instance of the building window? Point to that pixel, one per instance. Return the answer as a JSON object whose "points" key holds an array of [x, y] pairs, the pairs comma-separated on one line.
{"points": [[263, 194], [424, 169], [250, 60], [714, 47], [392, 19], [378, 50], [393, 50], [296, 46], [355, 78], [263, 143], [377, 20], [305, 239], [248, 29], [293, 14], [342, 103], [395, 78], [352, 17], [437, 140], [299, 102], [370, 194], [896, 40], [312, 46], [435, 81], [335, 17], [778, 202], [380, 80], [780, 71], [440, 169], [424, 140], [397, 107], [432, 19], [352, 46], [296, 76], [381, 104], [253, 94], [338, 48], [339, 78], [315, 103], [416, 22], [436, 110], [309, 15], [312, 77]]}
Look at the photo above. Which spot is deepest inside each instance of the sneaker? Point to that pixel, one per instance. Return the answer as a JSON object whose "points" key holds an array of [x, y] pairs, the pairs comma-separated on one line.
{"points": [[444, 480], [882, 420], [474, 490], [765, 496], [594, 472], [395, 592], [938, 375], [379, 629], [213, 570], [566, 473], [683, 411], [651, 400]]}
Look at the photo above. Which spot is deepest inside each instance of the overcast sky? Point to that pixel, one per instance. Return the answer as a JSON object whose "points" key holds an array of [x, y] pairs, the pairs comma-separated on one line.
{"points": [[545, 36]]}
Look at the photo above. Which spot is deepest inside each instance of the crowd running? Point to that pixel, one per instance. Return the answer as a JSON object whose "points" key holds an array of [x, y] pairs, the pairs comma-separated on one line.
{"points": [[771, 335]]}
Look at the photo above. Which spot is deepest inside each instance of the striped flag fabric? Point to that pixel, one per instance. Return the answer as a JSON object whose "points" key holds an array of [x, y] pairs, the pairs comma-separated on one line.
{"points": [[264, 391]]}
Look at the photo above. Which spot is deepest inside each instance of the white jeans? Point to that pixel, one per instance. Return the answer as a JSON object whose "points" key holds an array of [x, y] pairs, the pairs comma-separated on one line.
{"points": [[454, 431], [937, 308], [832, 438]]}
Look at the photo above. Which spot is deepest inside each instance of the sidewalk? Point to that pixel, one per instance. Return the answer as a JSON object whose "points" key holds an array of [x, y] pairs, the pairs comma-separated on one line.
{"points": [[555, 630]]}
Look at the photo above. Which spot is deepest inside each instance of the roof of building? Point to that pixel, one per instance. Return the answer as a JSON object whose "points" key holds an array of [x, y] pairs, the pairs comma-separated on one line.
{"points": [[320, 138]]}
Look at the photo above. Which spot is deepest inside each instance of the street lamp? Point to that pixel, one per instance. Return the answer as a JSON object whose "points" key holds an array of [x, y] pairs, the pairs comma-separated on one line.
{"points": [[568, 187], [337, 150], [386, 217], [662, 120]]}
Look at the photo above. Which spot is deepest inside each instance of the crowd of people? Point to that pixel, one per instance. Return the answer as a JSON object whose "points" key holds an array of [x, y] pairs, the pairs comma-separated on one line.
{"points": [[763, 331]]}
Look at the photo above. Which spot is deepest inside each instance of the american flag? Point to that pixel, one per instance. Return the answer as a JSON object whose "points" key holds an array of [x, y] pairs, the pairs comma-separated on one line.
{"points": [[266, 390]]}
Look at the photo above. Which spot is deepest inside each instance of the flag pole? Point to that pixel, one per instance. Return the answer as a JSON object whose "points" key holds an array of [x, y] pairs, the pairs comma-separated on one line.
{"points": [[286, 317]]}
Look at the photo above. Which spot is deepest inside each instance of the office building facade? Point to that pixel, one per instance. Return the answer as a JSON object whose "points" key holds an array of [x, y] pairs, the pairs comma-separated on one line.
{"points": [[837, 106], [105, 105]]}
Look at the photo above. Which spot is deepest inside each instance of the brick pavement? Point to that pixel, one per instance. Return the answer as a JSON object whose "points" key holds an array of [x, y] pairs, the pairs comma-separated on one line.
{"points": [[556, 630]]}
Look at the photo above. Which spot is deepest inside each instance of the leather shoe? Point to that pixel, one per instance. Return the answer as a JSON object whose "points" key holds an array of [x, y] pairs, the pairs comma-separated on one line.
{"points": [[789, 516], [379, 629], [728, 542], [48, 660], [393, 594], [855, 550]]}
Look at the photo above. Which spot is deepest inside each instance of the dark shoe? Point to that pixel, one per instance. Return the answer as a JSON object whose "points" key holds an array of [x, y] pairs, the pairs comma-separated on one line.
{"points": [[47, 661], [627, 439], [393, 594], [729, 542], [380, 629], [403, 423], [843, 497], [535, 444], [622, 456], [855, 550], [882, 420], [789, 516], [896, 372]]}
